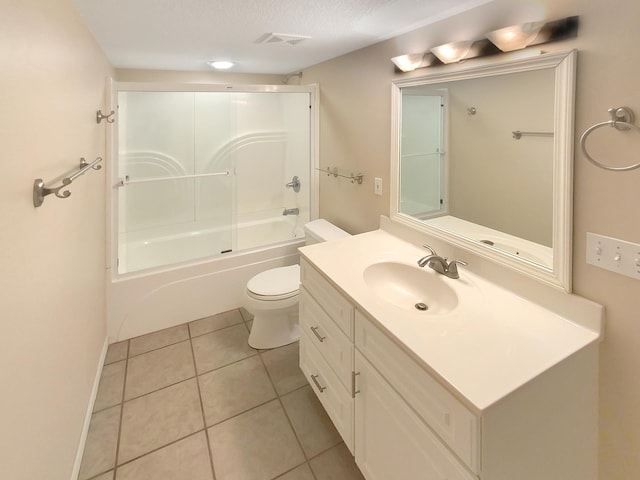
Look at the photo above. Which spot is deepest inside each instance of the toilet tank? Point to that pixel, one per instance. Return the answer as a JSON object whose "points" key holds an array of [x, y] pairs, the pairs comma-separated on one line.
{"points": [[320, 230]]}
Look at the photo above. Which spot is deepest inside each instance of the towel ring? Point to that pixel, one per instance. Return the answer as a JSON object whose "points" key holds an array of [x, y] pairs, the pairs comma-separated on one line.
{"points": [[621, 119]]}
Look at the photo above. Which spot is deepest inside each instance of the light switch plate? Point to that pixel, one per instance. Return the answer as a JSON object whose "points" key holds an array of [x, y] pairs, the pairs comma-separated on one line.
{"points": [[377, 186], [613, 254]]}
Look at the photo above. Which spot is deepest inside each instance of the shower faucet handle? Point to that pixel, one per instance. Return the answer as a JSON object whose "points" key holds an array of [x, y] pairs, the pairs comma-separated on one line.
{"points": [[294, 183]]}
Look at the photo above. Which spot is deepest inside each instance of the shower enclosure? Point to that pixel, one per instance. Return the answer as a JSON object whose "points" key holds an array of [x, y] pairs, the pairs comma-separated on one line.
{"points": [[205, 171]]}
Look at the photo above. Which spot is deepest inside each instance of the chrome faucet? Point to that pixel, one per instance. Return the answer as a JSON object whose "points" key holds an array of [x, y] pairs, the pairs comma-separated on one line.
{"points": [[291, 211], [294, 183], [440, 264]]}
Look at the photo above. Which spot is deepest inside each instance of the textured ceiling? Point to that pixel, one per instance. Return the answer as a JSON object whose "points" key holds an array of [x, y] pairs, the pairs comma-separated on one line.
{"points": [[185, 34]]}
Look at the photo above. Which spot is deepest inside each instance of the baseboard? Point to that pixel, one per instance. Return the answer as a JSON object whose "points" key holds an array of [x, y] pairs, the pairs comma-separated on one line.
{"points": [[87, 418]]}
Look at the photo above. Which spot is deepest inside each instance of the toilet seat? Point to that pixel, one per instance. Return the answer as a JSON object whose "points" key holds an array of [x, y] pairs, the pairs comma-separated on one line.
{"points": [[275, 284]]}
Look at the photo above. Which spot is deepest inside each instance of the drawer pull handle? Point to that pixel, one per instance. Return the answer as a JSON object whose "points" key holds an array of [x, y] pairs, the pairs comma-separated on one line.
{"points": [[315, 380], [318, 336], [354, 392]]}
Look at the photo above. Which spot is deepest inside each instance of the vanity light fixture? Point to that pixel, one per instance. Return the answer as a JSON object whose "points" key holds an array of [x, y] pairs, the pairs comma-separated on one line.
{"points": [[221, 64], [409, 61], [515, 37], [452, 52], [506, 39]]}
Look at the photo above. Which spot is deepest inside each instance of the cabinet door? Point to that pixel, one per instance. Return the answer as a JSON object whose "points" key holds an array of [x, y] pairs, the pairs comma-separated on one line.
{"points": [[391, 440]]}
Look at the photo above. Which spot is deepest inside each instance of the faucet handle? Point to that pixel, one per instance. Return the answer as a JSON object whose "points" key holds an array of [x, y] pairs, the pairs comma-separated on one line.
{"points": [[452, 268], [428, 247]]}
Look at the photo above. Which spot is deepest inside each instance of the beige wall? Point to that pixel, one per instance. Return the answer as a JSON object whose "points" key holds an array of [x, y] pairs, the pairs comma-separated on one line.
{"points": [[52, 288], [355, 96], [52, 291]]}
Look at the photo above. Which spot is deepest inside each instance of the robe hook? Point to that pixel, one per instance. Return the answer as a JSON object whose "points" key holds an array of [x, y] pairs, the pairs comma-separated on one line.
{"points": [[101, 116]]}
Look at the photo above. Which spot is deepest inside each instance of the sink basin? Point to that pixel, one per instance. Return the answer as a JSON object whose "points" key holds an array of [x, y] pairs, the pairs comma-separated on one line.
{"points": [[410, 288]]}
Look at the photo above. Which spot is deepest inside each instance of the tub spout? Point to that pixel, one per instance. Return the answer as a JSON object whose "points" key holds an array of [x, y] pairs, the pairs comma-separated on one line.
{"points": [[291, 211]]}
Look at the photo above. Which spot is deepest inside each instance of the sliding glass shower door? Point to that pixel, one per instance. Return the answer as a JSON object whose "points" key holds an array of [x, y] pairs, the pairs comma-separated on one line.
{"points": [[204, 173]]}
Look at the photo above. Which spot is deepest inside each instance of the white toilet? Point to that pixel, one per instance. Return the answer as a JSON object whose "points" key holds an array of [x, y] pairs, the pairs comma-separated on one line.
{"points": [[272, 296]]}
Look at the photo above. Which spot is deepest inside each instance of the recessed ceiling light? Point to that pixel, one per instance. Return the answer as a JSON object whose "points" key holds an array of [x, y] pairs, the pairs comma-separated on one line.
{"points": [[221, 64]]}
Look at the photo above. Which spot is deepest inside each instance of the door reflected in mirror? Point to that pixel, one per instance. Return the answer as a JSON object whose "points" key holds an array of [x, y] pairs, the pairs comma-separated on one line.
{"points": [[484, 160]]}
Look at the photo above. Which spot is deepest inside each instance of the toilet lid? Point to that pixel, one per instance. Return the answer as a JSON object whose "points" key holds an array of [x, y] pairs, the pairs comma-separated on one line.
{"points": [[277, 281]]}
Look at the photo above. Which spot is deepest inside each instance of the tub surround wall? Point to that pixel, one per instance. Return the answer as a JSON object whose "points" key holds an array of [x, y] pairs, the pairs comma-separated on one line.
{"points": [[355, 124], [52, 288]]}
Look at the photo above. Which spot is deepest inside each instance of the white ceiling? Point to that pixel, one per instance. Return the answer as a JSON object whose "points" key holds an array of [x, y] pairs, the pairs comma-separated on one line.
{"points": [[185, 34]]}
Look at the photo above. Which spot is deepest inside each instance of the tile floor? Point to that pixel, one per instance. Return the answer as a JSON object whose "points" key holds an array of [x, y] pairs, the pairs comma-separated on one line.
{"points": [[195, 402]]}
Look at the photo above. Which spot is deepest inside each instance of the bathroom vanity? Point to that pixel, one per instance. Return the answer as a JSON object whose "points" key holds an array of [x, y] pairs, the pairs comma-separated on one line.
{"points": [[485, 383]]}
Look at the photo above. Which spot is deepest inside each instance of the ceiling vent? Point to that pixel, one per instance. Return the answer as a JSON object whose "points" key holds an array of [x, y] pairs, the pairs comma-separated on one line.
{"points": [[282, 38]]}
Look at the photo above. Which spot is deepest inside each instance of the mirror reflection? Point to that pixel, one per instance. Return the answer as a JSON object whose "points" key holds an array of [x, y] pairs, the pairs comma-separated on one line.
{"points": [[462, 167], [482, 159]]}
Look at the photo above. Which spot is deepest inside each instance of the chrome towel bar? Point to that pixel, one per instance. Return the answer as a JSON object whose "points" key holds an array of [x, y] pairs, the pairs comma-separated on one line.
{"points": [[518, 134], [40, 191], [357, 178]]}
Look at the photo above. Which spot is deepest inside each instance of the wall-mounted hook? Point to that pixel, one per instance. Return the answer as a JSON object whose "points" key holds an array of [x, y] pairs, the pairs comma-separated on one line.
{"points": [[471, 110], [101, 116]]}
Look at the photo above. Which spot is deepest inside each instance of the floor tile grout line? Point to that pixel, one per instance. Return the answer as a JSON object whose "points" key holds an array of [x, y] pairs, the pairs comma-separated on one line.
{"points": [[204, 418], [215, 330], [159, 348], [124, 386], [241, 413], [156, 449], [304, 454], [191, 377], [225, 365]]}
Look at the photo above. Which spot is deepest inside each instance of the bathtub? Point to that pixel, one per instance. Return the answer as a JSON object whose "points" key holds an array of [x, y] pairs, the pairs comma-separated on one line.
{"points": [[151, 298]]}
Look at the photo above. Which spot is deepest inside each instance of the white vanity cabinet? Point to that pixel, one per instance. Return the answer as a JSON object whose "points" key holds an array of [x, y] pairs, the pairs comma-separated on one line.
{"points": [[377, 424], [401, 419]]}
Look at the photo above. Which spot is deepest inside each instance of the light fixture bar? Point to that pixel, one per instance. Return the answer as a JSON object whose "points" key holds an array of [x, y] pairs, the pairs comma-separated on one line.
{"points": [[502, 40]]}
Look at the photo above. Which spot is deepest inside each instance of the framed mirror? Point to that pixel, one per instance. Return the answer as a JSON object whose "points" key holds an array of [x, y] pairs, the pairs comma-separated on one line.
{"points": [[482, 157]]}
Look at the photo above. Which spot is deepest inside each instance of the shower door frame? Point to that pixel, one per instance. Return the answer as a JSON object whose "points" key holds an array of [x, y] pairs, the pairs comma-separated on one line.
{"points": [[113, 88]]}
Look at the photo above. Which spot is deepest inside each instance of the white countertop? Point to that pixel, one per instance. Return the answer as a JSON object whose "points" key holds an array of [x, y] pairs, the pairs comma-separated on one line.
{"points": [[493, 343]]}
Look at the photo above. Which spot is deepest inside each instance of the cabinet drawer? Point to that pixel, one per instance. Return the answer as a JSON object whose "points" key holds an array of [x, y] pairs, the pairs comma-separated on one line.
{"points": [[330, 299], [448, 417], [335, 399], [329, 339]]}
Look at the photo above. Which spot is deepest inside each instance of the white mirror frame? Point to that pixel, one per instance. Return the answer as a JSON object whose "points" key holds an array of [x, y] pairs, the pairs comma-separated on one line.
{"points": [[565, 72]]}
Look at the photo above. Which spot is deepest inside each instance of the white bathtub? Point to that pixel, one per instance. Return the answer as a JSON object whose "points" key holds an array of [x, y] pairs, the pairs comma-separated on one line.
{"points": [[148, 300], [174, 244]]}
